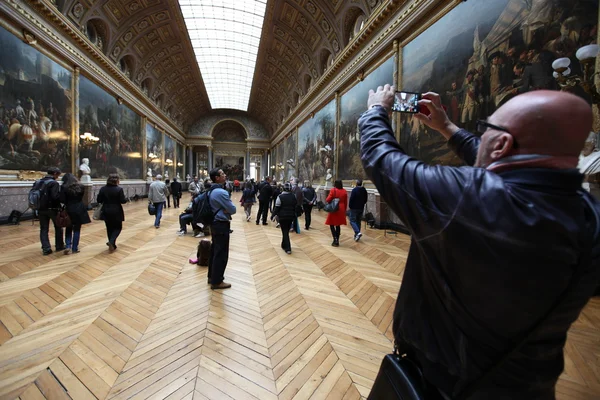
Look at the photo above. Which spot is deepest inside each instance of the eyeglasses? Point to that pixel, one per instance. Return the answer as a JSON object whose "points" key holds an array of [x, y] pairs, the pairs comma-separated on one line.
{"points": [[482, 126]]}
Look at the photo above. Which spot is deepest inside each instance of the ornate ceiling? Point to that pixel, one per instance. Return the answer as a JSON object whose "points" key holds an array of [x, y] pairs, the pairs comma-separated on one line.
{"points": [[147, 40]]}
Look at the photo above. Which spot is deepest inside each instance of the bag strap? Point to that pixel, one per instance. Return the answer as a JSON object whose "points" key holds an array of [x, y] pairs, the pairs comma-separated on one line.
{"points": [[585, 259]]}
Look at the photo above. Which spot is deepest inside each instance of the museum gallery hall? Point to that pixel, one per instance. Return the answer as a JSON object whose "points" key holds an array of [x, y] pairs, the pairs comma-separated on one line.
{"points": [[113, 97]]}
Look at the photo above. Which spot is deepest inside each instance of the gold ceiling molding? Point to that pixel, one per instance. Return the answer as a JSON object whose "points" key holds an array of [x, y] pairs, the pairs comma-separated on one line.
{"points": [[123, 88]]}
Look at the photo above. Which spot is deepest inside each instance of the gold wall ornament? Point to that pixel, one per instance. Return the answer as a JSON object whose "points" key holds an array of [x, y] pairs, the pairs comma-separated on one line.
{"points": [[29, 37], [30, 175]]}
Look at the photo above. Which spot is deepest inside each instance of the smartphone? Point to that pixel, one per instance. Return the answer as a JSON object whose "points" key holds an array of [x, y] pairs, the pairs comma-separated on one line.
{"points": [[406, 102]]}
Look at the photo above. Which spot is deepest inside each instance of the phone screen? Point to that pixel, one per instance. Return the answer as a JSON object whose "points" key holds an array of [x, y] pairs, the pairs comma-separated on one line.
{"points": [[406, 102]]}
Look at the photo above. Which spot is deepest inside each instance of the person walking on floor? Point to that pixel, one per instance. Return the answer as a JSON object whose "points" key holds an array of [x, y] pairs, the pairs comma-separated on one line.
{"points": [[309, 198], [223, 208], [358, 199], [71, 195], [48, 209], [337, 218], [112, 197], [176, 192], [248, 200], [157, 196], [285, 210], [168, 192], [265, 191]]}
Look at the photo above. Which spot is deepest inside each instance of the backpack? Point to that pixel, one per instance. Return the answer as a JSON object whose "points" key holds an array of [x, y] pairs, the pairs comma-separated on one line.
{"points": [[202, 210], [38, 195]]}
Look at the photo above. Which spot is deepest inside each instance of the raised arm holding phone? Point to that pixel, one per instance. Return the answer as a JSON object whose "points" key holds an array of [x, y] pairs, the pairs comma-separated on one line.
{"points": [[501, 246]]}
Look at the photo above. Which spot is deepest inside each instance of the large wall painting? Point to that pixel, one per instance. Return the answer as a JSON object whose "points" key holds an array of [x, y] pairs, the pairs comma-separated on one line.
{"points": [[280, 165], [119, 149], [35, 108], [290, 156], [353, 104], [169, 166], [316, 145], [154, 149], [499, 49], [180, 161]]}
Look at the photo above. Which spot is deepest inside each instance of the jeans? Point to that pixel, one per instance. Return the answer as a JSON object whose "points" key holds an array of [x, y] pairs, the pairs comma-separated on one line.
{"points": [[176, 200], [158, 216], [307, 218], [72, 237], [335, 231], [45, 217], [355, 218], [113, 230], [219, 252], [185, 219], [248, 209], [263, 209], [285, 225]]}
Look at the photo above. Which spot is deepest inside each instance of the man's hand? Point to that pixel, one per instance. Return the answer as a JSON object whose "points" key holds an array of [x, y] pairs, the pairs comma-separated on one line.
{"points": [[384, 96], [437, 118]]}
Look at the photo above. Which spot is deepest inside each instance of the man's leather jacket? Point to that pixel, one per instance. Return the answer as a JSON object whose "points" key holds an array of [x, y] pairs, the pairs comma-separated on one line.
{"points": [[490, 254]]}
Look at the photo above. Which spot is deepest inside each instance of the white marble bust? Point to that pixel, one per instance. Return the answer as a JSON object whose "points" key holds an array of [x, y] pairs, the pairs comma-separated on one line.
{"points": [[328, 178], [149, 175], [85, 171]]}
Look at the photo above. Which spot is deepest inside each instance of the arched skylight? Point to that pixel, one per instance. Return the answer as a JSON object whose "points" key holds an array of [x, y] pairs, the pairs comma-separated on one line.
{"points": [[225, 35]]}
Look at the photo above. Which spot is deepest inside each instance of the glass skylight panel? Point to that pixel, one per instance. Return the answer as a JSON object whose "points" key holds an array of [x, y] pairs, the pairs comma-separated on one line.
{"points": [[225, 35]]}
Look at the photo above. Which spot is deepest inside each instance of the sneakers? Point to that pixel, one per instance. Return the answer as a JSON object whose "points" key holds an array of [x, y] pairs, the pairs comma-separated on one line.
{"points": [[357, 236], [67, 252], [248, 218], [157, 226], [199, 235], [288, 251], [222, 285], [277, 226], [181, 233]]}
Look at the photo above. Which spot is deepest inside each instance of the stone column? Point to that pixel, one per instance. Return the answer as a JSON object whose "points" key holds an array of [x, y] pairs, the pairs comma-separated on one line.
{"points": [[210, 158], [247, 163], [190, 167]]}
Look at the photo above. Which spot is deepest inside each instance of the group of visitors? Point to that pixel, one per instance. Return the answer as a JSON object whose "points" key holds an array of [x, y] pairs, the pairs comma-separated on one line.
{"points": [[69, 196]]}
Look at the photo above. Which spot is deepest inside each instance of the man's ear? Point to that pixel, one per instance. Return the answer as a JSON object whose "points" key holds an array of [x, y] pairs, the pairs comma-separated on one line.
{"points": [[502, 146]]}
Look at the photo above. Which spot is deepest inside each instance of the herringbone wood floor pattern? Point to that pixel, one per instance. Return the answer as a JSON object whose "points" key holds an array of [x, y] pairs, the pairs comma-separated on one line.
{"points": [[143, 323]]}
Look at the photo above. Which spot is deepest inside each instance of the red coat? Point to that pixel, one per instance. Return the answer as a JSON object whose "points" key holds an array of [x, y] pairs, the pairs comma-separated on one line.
{"points": [[338, 217]]}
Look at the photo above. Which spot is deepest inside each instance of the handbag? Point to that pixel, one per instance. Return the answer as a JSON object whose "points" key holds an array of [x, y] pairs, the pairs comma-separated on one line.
{"points": [[62, 219], [98, 212], [151, 209], [401, 378], [332, 206]]}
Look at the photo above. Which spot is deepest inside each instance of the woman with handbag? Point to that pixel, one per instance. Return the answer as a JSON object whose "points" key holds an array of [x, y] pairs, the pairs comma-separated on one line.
{"points": [[248, 199], [111, 196], [285, 210], [71, 195], [337, 218]]}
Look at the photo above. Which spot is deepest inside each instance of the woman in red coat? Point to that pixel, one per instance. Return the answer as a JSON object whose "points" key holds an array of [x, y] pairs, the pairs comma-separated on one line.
{"points": [[335, 219]]}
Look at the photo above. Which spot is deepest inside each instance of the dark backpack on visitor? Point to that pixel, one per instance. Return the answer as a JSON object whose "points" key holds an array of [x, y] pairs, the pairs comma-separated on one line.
{"points": [[203, 213], [38, 195]]}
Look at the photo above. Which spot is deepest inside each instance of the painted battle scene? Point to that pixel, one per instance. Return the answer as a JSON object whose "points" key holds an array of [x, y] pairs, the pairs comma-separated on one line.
{"points": [[289, 157], [119, 149], [353, 104], [232, 166], [280, 162], [154, 150], [169, 160], [180, 161], [499, 49], [35, 108], [316, 145]]}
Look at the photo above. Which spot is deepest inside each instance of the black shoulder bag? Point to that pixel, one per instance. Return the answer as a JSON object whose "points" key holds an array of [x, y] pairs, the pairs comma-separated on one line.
{"points": [[400, 378]]}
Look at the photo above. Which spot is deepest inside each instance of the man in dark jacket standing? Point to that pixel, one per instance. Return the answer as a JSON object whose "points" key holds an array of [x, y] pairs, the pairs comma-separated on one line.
{"points": [[176, 192], [265, 191], [49, 207], [494, 244], [358, 199]]}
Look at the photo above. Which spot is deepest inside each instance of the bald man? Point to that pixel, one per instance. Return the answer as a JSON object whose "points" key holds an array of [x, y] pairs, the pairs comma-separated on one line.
{"points": [[495, 244]]}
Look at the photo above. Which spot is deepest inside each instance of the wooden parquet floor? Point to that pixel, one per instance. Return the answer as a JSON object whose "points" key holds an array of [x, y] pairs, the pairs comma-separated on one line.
{"points": [[143, 323]]}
